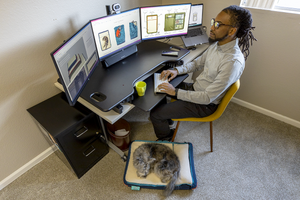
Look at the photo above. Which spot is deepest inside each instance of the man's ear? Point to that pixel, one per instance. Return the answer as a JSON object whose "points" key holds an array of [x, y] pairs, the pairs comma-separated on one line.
{"points": [[233, 31]]}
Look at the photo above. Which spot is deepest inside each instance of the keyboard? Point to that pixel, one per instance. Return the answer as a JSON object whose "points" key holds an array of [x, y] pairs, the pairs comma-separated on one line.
{"points": [[194, 32]]}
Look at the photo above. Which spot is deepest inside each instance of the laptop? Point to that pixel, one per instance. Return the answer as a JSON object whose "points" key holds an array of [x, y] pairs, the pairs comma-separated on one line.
{"points": [[196, 32]]}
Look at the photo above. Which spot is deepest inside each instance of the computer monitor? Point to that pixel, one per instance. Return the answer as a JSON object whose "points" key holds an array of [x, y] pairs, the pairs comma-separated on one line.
{"points": [[117, 32], [75, 60], [196, 16], [164, 21]]}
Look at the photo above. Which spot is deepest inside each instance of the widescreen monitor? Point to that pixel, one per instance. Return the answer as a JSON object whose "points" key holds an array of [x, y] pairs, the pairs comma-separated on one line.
{"points": [[164, 21], [75, 60], [116, 32]]}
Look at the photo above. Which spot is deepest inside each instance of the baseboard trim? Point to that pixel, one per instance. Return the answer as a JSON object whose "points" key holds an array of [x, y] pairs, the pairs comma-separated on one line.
{"points": [[26, 167], [267, 112]]}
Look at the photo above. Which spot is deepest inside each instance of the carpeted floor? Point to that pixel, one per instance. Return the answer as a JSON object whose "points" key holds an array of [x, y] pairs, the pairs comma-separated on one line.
{"points": [[255, 157]]}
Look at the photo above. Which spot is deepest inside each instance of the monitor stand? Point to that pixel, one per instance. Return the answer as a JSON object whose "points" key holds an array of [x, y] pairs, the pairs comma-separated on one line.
{"points": [[120, 55]]}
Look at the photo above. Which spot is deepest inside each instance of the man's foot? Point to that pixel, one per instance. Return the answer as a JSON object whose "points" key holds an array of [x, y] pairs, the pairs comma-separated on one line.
{"points": [[172, 124], [167, 138]]}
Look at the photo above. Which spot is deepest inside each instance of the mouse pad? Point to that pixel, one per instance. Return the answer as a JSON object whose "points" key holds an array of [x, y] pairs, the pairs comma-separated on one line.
{"points": [[187, 179]]}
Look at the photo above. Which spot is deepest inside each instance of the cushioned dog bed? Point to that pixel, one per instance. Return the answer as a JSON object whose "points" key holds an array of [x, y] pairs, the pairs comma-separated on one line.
{"points": [[187, 179]]}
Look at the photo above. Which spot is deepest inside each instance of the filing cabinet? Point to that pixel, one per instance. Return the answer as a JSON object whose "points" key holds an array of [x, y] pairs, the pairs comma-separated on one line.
{"points": [[75, 130]]}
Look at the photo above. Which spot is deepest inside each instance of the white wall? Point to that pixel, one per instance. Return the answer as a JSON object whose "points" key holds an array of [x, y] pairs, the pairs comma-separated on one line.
{"points": [[272, 75], [29, 32], [271, 79]]}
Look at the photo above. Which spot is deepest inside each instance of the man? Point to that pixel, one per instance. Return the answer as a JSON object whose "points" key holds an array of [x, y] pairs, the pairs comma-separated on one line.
{"points": [[222, 63]]}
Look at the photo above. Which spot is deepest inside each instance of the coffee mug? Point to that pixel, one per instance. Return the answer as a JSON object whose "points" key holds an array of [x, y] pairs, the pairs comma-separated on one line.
{"points": [[140, 87]]}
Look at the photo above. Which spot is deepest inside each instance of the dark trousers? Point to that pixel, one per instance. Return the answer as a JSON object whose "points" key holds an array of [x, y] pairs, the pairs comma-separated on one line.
{"points": [[163, 112]]}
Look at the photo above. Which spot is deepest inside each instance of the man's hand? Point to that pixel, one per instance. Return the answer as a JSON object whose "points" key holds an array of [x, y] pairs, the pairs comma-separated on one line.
{"points": [[167, 88], [166, 73]]}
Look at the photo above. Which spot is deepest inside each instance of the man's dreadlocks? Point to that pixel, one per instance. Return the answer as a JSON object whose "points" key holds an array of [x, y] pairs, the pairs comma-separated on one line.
{"points": [[242, 19]]}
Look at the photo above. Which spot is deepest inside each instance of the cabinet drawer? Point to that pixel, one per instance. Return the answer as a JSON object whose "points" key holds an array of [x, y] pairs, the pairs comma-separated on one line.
{"points": [[82, 160], [80, 135]]}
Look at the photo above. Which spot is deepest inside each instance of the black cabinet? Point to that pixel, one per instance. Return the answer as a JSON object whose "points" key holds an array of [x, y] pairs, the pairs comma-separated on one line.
{"points": [[74, 130]]}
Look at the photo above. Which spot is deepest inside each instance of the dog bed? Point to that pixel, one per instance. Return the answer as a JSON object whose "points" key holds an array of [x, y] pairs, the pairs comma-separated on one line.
{"points": [[187, 179]]}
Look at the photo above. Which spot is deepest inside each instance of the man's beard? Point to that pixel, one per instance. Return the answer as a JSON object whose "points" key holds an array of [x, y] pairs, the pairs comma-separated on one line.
{"points": [[211, 41]]}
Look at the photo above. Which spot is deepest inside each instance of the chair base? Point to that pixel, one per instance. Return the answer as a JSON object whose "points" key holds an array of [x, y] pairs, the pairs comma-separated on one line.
{"points": [[221, 108], [211, 134]]}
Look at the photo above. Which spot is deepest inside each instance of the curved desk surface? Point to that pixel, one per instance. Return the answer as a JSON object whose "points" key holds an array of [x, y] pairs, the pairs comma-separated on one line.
{"points": [[117, 81], [113, 116]]}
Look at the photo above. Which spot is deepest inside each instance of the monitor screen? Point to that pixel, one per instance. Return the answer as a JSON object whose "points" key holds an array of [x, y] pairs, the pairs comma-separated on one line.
{"points": [[75, 60], [164, 21], [196, 15], [115, 32]]}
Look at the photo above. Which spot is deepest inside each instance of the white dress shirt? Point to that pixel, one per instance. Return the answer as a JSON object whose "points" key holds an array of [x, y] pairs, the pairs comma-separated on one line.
{"points": [[223, 65]]}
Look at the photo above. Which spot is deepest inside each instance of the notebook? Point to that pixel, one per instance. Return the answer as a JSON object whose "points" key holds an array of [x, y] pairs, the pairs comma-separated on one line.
{"points": [[157, 82], [196, 32]]}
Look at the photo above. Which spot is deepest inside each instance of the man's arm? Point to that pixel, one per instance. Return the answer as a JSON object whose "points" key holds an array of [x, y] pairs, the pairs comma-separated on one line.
{"points": [[228, 74], [195, 65]]}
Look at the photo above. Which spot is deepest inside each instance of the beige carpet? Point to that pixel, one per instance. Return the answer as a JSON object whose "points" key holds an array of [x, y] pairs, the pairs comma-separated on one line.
{"points": [[255, 157]]}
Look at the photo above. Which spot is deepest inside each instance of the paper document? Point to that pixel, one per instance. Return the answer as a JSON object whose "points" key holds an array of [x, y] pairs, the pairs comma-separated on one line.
{"points": [[157, 82]]}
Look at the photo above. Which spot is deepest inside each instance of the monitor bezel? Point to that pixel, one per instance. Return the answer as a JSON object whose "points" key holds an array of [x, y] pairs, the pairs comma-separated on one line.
{"points": [[61, 79], [198, 4], [125, 47], [163, 37]]}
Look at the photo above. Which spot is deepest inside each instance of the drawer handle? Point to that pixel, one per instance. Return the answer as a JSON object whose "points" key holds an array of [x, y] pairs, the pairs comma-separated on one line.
{"points": [[81, 131], [90, 150]]}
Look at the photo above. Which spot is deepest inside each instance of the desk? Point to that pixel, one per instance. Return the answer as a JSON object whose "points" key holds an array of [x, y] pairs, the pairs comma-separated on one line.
{"points": [[94, 85], [117, 81]]}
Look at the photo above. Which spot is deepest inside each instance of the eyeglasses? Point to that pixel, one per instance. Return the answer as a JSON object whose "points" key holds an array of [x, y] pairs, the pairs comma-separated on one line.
{"points": [[217, 24]]}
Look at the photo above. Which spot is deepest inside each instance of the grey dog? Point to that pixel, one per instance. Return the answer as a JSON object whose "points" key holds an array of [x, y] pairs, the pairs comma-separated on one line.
{"points": [[159, 158]]}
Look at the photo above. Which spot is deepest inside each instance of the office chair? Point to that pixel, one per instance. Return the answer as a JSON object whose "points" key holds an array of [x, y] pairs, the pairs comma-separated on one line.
{"points": [[221, 108]]}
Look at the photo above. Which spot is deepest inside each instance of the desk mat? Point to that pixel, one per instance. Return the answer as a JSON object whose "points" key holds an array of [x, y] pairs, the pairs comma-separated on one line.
{"points": [[187, 179]]}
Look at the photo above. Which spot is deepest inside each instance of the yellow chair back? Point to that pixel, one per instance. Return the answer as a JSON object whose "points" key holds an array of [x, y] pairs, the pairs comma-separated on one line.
{"points": [[221, 108]]}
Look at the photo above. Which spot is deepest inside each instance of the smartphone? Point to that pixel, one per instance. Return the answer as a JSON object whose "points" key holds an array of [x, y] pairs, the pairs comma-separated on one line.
{"points": [[170, 53]]}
